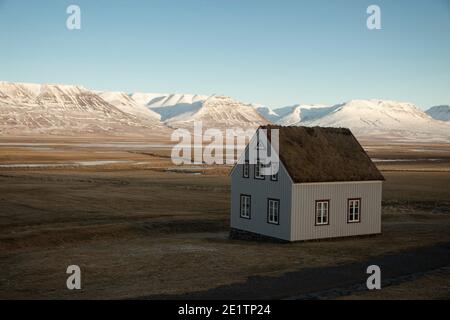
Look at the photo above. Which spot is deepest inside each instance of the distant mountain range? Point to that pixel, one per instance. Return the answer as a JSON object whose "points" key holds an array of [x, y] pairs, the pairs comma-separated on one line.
{"points": [[34, 109], [182, 110], [382, 119]]}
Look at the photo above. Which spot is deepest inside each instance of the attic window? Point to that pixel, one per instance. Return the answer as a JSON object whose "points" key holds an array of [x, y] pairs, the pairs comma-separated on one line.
{"points": [[259, 144], [274, 176], [354, 209], [246, 170], [258, 169], [322, 212]]}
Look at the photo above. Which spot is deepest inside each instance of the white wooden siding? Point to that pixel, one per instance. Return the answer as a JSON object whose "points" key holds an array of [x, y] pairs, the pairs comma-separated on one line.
{"points": [[261, 191], [304, 197]]}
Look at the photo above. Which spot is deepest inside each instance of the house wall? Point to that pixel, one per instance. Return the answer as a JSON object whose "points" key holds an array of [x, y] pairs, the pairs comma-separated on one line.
{"points": [[260, 191], [303, 209]]}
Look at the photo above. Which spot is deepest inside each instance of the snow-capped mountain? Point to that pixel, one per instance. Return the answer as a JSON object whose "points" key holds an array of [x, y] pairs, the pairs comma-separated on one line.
{"points": [[383, 119], [143, 98], [268, 113], [68, 110], [125, 103], [296, 114], [217, 112], [182, 110], [75, 110], [439, 112], [176, 105]]}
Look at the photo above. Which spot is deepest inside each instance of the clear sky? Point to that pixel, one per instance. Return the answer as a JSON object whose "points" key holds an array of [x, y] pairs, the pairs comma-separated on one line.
{"points": [[275, 53]]}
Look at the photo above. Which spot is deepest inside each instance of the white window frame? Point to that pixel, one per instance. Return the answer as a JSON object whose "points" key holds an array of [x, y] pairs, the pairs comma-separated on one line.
{"points": [[273, 211], [354, 210], [245, 206], [322, 212], [274, 176], [246, 169], [258, 169]]}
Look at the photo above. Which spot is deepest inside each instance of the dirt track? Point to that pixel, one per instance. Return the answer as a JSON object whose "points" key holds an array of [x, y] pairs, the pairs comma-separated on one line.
{"points": [[332, 281]]}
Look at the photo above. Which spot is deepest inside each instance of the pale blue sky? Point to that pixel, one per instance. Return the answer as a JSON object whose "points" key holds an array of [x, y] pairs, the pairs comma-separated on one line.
{"points": [[271, 52]]}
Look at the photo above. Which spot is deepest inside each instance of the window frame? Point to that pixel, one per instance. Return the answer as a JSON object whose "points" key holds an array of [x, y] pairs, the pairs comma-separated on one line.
{"points": [[278, 211], [274, 177], [259, 146], [246, 165], [241, 196], [359, 210], [260, 177], [328, 212]]}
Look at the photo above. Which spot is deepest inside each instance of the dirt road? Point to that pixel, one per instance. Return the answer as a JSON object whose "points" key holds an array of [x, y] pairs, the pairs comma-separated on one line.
{"points": [[331, 281]]}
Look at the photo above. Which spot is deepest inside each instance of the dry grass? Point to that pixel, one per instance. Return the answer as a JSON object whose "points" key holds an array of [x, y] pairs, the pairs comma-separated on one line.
{"points": [[138, 231]]}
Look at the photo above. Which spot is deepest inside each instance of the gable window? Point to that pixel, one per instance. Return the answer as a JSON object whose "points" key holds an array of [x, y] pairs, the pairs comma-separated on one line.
{"points": [[246, 169], [354, 210], [246, 205], [274, 176], [322, 212], [273, 211], [259, 139], [258, 171]]}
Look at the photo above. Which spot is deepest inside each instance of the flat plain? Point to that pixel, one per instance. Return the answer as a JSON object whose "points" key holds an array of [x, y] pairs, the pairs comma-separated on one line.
{"points": [[140, 227]]}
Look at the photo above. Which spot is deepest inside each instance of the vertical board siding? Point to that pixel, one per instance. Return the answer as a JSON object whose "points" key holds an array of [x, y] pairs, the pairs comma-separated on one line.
{"points": [[260, 191], [303, 209]]}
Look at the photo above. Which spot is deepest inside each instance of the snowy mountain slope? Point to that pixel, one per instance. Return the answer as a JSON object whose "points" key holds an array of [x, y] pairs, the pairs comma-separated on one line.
{"points": [[175, 105], [61, 109], [219, 112], [383, 118], [143, 98], [294, 115], [268, 113], [125, 103], [175, 99], [75, 110], [441, 113]]}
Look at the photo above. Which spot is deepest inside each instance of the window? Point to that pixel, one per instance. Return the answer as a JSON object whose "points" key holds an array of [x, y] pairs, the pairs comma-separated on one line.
{"points": [[258, 174], [322, 212], [354, 210], [273, 211], [246, 205], [274, 176], [259, 140], [246, 169]]}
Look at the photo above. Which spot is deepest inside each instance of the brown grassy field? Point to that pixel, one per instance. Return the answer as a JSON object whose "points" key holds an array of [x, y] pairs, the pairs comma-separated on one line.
{"points": [[138, 228]]}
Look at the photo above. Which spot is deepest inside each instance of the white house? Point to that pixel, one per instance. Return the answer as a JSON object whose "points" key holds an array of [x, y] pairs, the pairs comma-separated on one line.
{"points": [[326, 187]]}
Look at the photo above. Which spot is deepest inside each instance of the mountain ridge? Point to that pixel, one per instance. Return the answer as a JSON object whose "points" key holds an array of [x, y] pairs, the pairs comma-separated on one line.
{"points": [[76, 110], [441, 112]]}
